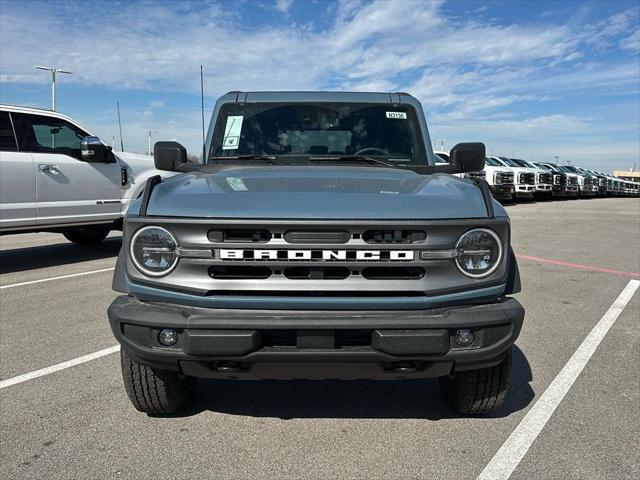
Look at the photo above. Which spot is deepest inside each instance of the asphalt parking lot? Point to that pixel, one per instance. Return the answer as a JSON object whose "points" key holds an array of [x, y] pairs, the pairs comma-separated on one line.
{"points": [[576, 257]]}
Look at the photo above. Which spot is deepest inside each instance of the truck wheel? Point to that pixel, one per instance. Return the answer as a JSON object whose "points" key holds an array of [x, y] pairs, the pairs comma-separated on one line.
{"points": [[478, 392], [87, 235], [153, 391]]}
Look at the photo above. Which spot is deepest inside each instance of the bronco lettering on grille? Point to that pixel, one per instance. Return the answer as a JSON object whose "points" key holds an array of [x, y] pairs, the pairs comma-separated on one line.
{"points": [[319, 255]]}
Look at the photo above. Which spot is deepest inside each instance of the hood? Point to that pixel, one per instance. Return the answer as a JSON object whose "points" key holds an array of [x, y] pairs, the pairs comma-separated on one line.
{"points": [[523, 169], [135, 160], [317, 192]]}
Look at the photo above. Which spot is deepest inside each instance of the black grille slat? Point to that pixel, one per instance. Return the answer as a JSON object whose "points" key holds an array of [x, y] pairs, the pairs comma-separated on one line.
{"points": [[394, 236], [317, 237], [239, 235], [317, 273], [393, 273], [240, 272]]}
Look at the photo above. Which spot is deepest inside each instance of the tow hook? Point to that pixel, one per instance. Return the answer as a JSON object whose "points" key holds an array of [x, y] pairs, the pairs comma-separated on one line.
{"points": [[404, 367]]}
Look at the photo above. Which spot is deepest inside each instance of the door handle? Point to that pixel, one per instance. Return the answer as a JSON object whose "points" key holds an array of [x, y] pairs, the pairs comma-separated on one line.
{"points": [[49, 168]]}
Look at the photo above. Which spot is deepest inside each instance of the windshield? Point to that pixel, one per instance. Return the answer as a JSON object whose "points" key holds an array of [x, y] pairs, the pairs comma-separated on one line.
{"points": [[510, 162], [293, 131], [524, 163], [492, 162], [547, 166]]}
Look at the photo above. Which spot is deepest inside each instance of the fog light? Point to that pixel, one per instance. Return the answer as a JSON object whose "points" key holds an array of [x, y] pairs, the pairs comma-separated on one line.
{"points": [[464, 337], [168, 337]]}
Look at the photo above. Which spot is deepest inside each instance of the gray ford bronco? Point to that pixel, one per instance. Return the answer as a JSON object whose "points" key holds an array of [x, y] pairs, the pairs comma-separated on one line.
{"points": [[317, 240]]}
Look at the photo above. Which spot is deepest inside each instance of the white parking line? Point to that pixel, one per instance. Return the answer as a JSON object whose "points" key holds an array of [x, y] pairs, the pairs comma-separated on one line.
{"points": [[2, 287], [514, 449], [56, 368]]}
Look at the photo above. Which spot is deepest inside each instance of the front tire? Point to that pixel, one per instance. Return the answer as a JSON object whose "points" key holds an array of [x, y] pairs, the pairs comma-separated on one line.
{"points": [[87, 235], [154, 391], [478, 392]]}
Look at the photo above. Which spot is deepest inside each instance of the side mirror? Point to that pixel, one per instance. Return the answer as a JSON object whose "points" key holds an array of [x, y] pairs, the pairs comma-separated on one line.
{"points": [[92, 150], [467, 157], [169, 156]]}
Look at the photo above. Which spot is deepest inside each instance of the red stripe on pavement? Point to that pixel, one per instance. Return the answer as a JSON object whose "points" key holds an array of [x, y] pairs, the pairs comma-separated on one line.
{"points": [[580, 266]]}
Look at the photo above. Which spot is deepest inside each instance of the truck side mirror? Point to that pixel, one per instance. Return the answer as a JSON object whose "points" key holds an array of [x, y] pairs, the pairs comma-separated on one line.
{"points": [[467, 157], [169, 156], [92, 150]]}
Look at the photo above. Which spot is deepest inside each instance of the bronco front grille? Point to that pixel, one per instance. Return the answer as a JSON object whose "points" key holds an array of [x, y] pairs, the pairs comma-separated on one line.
{"points": [[317, 258]]}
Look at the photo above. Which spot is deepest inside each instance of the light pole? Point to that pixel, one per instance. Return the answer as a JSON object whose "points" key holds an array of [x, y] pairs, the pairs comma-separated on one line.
{"points": [[53, 71], [150, 132], [442, 142], [113, 142], [557, 159]]}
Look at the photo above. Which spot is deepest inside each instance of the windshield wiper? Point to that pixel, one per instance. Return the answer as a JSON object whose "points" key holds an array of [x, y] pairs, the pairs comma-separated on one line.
{"points": [[351, 158], [265, 158]]}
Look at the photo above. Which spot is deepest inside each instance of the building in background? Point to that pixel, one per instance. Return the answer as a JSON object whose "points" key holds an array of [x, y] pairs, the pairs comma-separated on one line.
{"points": [[631, 175]]}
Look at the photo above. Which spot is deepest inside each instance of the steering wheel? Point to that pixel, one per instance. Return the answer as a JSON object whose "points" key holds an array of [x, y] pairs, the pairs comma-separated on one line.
{"points": [[374, 149]]}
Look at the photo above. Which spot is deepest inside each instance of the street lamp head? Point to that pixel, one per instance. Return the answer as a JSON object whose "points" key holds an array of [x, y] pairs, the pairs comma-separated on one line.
{"points": [[64, 71], [43, 68]]}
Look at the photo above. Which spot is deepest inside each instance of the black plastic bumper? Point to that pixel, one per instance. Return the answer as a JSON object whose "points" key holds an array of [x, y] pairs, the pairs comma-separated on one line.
{"points": [[502, 191], [249, 344]]}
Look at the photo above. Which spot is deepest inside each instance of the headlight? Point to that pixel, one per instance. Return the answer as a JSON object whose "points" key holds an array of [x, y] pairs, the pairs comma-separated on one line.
{"points": [[479, 253], [153, 251]]}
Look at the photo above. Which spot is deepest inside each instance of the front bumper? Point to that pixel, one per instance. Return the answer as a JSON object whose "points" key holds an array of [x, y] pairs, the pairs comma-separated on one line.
{"points": [[544, 188], [287, 344], [565, 191], [525, 191], [588, 192], [502, 191]]}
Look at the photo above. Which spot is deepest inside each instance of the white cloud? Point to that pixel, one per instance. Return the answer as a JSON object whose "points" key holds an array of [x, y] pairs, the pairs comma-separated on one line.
{"points": [[632, 42], [459, 69], [130, 47], [284, 5]]}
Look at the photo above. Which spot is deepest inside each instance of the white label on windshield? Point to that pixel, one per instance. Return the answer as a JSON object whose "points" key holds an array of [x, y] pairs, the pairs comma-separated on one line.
{"points": [[398, 115], [237, 184], [231, 139]]}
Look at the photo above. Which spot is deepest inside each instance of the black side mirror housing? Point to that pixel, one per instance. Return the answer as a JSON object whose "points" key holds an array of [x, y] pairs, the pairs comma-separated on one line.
{"points": [[467, 157], [169, 156], [92, 150]]}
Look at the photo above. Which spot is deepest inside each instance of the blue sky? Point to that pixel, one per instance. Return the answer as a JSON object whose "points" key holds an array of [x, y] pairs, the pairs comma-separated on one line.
{"points": [[530, 79]]}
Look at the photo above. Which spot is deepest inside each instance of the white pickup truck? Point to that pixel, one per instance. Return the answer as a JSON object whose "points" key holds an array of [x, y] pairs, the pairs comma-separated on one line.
{"points": [[55, 176]]}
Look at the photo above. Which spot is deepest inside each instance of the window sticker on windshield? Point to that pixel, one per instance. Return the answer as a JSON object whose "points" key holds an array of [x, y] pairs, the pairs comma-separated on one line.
{"points": [[237, 184], [231, 139], [397, 115]]}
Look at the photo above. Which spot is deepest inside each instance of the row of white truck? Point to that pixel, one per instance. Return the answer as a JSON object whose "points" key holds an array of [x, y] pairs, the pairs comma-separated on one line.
{"points": [[56, 176], [513, 178]]}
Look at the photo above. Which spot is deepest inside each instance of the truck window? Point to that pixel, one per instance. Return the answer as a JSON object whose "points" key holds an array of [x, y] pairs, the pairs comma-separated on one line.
{"points": [[7, 138], [39, 133], [290, 130]]}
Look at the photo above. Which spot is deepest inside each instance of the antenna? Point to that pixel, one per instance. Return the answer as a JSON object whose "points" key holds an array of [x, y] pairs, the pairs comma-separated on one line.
{"points": [[202, 111], [120, 126]]}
